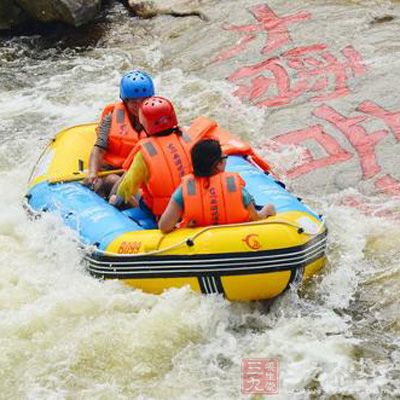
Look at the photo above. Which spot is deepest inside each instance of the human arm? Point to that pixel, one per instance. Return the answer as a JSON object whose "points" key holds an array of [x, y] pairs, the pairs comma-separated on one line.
{"points": [[173, 212], [170, 216], [99, 148], [117, 201], [267, 211], [130, 182], [248, 201], [95, 163]]}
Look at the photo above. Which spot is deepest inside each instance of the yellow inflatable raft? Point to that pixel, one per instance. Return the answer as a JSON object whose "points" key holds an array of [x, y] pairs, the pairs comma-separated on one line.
{"points": [[250, 261]]}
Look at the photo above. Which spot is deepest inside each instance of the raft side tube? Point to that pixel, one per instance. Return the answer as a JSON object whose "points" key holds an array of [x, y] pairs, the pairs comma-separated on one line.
{"points": [[96, 221]]}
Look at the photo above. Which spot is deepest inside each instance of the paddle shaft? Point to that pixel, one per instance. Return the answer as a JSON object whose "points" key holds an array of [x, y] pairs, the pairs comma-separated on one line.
{"points": [[78, 176]]}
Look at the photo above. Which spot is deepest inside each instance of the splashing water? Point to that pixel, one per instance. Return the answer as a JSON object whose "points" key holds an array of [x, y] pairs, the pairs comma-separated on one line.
{"points": [[65, 335]]}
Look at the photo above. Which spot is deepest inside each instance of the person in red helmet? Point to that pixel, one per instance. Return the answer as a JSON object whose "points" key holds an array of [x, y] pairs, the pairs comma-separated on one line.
{"points": [[210, 196], [158, 162], [119, 131]]}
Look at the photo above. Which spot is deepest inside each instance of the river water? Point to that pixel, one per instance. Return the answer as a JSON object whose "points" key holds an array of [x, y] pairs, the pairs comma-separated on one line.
{"points": [[66, 335]]}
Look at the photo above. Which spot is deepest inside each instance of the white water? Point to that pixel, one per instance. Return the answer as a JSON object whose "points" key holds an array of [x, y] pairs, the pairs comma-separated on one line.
{"points": [[65, 335]]}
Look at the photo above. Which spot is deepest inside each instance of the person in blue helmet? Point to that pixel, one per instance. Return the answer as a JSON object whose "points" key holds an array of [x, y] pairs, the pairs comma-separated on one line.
{"points": [[118, 131]]}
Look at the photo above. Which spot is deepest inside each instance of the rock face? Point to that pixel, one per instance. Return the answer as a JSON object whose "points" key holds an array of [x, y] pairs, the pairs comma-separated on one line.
{"points": [[72, 12], [11, 15], [174, 8]]}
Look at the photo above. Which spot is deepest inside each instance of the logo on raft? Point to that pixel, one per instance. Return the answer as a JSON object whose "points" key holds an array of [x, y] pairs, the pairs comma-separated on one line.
{"points": [[252, 241], [129, 247]]}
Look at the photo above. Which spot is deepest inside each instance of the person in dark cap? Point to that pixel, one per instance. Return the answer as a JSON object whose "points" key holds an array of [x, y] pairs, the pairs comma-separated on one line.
{"points": [[211, 196]]}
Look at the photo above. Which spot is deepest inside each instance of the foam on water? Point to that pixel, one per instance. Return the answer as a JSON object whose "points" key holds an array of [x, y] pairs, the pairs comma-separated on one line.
{"points": [[65, 334]]}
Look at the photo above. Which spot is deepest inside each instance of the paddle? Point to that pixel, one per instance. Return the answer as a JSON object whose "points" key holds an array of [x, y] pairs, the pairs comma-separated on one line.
{"points": [[79, 175]]}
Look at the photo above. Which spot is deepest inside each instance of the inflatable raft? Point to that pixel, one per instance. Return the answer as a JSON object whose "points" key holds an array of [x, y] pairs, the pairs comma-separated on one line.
{"points": [[249, 261]]}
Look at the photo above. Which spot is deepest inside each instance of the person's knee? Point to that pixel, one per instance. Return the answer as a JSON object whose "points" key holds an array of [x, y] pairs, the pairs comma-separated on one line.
{"points": [[111, 180]]}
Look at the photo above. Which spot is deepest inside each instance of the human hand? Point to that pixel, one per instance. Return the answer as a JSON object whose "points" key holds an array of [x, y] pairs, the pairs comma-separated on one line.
{"points": [[90, 180], [268, 211], [115, 200], [133, 202]]}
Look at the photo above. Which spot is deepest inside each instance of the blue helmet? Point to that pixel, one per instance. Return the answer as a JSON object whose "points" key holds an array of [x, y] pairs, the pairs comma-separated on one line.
{"points": [[135, 85]]}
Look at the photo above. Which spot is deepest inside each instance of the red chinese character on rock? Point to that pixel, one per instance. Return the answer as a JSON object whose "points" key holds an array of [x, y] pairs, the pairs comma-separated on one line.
{"points": [[335, 153], [363, 143], [268, 22], [258, 90], [388, 185], [314, 68], [368, 207], [316, 61], [391, 119]]}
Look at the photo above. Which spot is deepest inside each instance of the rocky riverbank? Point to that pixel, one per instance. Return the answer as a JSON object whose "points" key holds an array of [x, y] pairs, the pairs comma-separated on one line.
{"points": [[17, 14], [13, 13]]}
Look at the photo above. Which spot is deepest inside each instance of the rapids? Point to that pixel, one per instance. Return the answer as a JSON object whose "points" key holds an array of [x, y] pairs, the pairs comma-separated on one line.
{"points": [[66, 335]]}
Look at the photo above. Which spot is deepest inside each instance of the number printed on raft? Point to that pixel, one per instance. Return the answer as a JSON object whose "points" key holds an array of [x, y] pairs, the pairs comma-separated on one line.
{"points": [[129, 247]]}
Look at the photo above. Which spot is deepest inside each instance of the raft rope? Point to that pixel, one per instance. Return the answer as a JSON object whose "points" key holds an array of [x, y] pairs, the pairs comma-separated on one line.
{"points": [[189, 241]]}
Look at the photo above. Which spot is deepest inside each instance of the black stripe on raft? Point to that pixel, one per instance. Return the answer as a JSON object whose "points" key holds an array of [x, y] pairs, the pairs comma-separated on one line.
{"points": [[215, 257], [210, 284], [290, 259]]}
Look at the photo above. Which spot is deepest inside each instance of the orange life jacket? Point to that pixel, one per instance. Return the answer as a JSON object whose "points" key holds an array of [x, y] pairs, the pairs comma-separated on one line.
{"points": [[168, 160], [204, 128], [214, 200], [122, 137]]}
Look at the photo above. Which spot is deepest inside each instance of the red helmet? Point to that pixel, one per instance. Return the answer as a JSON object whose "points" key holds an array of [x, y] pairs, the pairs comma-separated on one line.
{"points": [[157, 114]]}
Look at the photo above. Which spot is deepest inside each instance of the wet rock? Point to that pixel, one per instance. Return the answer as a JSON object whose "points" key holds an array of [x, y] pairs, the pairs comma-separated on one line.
{"points": [[73, 12], [150, 9], [11, 15], [383, 19]]}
